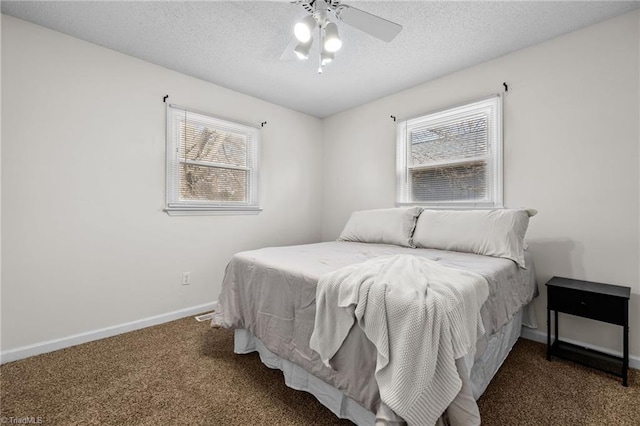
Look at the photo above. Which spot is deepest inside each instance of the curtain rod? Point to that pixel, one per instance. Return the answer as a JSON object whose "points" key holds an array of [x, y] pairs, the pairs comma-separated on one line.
{"points": [[395, 119], [261, 125]]}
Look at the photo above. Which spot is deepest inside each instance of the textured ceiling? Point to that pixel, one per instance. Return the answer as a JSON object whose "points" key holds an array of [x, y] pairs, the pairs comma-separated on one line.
{"points": [[239, 44]]}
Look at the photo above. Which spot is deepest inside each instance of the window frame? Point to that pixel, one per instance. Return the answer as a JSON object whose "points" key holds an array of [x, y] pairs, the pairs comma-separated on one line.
{"points": [[173, 204], [495, 154]]}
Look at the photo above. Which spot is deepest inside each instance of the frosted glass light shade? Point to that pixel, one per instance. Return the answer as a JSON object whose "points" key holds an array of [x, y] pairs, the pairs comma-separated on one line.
{"points": [[332, 42], [302, 49], [304, 29], [326, 57]]}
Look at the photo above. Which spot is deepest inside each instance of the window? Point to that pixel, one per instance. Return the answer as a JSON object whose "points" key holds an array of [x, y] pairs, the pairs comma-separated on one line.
{"points": [[452, 158], [212, 164]]}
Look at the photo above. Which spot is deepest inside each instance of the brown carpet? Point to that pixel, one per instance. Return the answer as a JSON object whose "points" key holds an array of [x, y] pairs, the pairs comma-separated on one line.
{"points": [[183, 372]]}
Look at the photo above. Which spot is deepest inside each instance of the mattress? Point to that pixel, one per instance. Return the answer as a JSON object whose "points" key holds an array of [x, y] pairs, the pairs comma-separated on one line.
{"points": [[271, 293]]}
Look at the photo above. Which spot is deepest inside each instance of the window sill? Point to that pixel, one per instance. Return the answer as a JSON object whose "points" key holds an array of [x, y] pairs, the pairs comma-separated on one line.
{"points": [[453, 206], [181, 211]]}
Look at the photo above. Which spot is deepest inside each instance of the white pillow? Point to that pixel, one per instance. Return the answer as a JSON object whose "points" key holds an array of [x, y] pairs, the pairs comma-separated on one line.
{"points": [[385, 226], [498, 233]]}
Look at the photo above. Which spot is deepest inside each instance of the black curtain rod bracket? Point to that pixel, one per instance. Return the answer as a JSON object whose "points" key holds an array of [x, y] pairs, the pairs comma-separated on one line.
{"points": [[506, 88], [263, 124], [393, 116], [165, 98]]}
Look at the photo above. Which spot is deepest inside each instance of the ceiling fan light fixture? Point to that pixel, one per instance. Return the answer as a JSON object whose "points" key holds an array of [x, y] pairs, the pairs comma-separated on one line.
{"points": [[332, 42], [302, 49], [321, 12], [304, 29]]}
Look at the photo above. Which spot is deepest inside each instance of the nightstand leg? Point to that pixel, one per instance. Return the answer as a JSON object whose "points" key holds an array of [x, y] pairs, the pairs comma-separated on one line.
{"points": [[548, 334], [625, 349], [555, 325]]}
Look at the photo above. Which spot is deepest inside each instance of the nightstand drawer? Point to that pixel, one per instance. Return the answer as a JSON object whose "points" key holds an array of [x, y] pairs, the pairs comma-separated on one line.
{"points": [[599, 307]]}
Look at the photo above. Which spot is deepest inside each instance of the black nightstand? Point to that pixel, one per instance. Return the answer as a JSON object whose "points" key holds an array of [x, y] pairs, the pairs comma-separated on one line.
{"points": [[602, 302]]}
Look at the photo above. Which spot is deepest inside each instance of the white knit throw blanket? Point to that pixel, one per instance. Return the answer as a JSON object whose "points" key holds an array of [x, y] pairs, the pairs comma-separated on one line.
{"points": [[421, 316]]}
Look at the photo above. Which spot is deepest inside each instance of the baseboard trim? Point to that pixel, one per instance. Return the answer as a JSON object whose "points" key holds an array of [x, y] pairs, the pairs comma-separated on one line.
{"points": [[539, 336], [77, 339]]}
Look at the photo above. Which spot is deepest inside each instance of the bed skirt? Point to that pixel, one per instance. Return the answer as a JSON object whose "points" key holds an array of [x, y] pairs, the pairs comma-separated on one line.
{"points": [[482, 369], [298, 378]]}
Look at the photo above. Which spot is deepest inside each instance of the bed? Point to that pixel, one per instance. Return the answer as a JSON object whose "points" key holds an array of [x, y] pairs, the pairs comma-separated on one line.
{"points": [[269, 297]]}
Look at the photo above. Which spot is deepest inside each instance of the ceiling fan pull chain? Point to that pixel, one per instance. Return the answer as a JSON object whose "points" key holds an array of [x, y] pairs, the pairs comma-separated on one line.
{"points": [[321, 39]]}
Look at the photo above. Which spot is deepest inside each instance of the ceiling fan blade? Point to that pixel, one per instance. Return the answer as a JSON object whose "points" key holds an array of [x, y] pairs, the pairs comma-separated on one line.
{"points": [[371, 24]]}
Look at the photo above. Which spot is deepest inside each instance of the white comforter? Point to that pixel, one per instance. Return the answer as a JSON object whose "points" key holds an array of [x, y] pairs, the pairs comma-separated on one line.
{"points": [[421, 317]]}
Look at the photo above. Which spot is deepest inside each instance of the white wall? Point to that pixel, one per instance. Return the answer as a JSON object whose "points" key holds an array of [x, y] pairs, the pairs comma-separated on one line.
{"points": [[571, 150], [85, 244]]}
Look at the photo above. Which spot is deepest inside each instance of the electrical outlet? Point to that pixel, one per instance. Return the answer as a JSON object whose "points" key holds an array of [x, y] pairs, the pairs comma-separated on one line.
{"points": [[186, 278]]}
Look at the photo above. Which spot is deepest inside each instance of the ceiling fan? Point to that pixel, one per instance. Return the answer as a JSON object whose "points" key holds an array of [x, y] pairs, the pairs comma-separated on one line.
{"points": [[322, 13]]}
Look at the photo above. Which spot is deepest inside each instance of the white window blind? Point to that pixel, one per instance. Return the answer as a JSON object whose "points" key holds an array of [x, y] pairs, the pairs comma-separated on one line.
{"points": [[212, 163], [452, 158]]}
